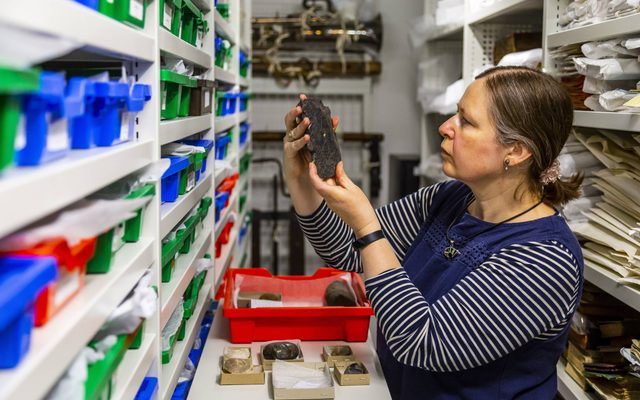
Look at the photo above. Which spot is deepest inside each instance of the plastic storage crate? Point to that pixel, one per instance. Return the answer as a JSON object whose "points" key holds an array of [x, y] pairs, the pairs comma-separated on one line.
{"points": [[223, 9], [305, 323], [170, 182], [222, 143], [148, 389], [202, 97], [133, 226], [71, 265], [191, 15], [100, 373], [231, 103], [169, 253], [171, 15], [221, 202], [244, 101], [188, 176], [207, 144], [93, 4], [21, 280], [189, 233], [244, 132], [244, 64], [13, 84], [131, 12], [171, 85]]}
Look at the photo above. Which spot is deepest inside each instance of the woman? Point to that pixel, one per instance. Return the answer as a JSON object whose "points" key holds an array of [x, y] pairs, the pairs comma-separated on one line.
{"points": [[473, 281]]}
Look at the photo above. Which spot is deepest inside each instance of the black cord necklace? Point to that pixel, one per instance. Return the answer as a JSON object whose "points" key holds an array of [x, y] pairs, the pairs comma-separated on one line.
{"points": [[451, 252]]}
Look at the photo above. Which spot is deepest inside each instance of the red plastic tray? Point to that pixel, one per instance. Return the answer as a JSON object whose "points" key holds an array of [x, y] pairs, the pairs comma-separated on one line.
{"points": [[305, 323]]}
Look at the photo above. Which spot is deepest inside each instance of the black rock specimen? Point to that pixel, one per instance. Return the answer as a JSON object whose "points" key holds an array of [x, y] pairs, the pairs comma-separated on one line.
{"points": [[338, 294], [341, 351], [280, 351], [355, 368], [324, 144], [270, 296]]}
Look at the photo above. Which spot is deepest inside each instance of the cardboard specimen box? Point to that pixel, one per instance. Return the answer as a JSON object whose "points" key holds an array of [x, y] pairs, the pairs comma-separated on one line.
{"points": [[267, 362], [237, 368], [280, 393], [345, 379], [331, 354]]}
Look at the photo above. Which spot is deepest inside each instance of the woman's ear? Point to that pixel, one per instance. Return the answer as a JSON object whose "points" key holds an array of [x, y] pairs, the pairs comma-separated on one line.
{"points": [[518, 154]]}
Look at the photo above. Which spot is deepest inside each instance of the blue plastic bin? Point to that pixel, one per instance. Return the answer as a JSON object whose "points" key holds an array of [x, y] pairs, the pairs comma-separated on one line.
{"points": [[207, 144], [244, 133], [244, 98], [42, 109], [21, 280], [110, 102], [181, 391], [221, 146], [93, 4], [148, 389], [231, 100], [170, 184], [80, 98], [139, 94], [221, 200]]}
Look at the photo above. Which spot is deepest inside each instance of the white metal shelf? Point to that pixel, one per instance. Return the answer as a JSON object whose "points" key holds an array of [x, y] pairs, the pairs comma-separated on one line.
{"points": [[180, 128], [171, 293], [171, 372], [504, 10], [223, 28], [224, 76], [599, 31], [32, 193], [172, 213], [134, 367], [568, 388], [171, 44], [242, 81], [243, 116], [449, 32], [51, 348], [203, 5], [223, 124], [607, 281], [99, 32], [628, 122]]}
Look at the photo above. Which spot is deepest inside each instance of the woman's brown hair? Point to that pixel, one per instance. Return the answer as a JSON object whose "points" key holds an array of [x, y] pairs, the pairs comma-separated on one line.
{"points": [[532, 108]]}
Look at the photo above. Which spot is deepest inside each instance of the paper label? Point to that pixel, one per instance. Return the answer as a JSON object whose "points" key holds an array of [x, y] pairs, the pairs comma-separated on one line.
{"points": [[168, 15], [136, 9], [117, 243], [67, 284], [199, 39], [126, 131], [164, 100], [58, 136], [206, 100], [635, 102], [258, 303], [21, 134], [191, 181], [111, 1]]}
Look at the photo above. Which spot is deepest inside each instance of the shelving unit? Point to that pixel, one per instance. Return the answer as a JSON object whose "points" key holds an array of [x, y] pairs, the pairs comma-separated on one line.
{"points": [[33, 193]]}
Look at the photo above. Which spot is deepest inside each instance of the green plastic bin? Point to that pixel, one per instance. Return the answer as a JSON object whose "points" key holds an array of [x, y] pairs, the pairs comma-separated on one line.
{"points": [[189, 233], [188, 176], [131, 12], [171, 84], [167, 354], [171, 15], [185, 96], [219, 96], [245, 161], [169, 251], [99, 374], [182, 332], [108, 8], [190, 15], [205, 204], [137, 338], [133, 226], [13, 82], [223, 9]]}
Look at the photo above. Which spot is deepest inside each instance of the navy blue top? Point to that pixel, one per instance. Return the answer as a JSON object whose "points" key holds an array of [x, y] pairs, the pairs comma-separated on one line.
{"points": [[489, 324]]}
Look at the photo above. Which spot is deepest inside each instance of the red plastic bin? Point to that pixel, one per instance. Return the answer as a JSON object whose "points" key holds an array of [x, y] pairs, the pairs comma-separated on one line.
{"points": [[305, 323], [72, 265]]}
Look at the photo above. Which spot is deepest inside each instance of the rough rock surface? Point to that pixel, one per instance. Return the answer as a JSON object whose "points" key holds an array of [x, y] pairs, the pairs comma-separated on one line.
{"points": [[280, 351], [324, 144], [355, 368], [338, 294]]}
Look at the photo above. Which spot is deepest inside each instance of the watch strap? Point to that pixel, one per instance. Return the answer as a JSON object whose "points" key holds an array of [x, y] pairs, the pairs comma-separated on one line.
{"points": [[368, 239]]}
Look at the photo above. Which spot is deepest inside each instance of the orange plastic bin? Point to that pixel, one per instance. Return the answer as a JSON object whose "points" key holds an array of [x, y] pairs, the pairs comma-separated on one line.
{"points": [[72, 265], [305, 323]]}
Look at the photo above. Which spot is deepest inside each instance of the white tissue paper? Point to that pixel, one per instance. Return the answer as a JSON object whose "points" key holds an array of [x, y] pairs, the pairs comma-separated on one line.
{"points": [[203, 264], [446, 103], [608, 68], [181, 150], [599, 86], [188, 372], [24, 48], [530, 58], [128, 315], [291, 376], [608, 48], [85, 219], [178, 66], [173, 325]]}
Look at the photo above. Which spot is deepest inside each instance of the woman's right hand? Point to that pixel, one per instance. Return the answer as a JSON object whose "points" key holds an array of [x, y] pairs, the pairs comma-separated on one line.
{"points": [[296, 155]]}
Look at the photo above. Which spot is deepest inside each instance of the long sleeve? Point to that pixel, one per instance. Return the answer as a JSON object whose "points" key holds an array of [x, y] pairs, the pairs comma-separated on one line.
{"points": [[523, 292], [401, 220]]}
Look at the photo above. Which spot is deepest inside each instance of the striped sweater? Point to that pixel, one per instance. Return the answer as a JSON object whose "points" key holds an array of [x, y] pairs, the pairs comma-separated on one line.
{"points": [[522, 292]]}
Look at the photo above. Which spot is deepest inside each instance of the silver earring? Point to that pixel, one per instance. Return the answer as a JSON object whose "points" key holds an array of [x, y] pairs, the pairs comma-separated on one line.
{"points": [[506, 164]]}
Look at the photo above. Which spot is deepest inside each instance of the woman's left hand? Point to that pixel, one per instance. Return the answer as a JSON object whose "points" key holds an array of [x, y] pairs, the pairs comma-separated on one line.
{"points": [[347, 200]]}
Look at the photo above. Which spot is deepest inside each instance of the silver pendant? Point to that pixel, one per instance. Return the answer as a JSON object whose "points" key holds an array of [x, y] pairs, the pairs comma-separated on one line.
{"points": [[451, 252]]}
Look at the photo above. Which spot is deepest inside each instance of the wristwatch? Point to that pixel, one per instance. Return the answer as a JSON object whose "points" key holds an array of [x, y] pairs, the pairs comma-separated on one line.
{"points": [[368, 239]]}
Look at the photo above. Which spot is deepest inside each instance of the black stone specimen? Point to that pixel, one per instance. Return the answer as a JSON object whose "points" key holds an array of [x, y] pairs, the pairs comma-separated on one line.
{"points": [[338, 294], [324, 144], [280, 351], [270, 296], [341, 351], [355, 368]]}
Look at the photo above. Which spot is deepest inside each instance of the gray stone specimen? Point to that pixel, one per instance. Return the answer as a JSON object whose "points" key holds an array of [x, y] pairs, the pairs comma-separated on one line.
{"points": [[341, 351], [338, 294], [281, 351], [236, 365], [355, 368], [324, 144]]}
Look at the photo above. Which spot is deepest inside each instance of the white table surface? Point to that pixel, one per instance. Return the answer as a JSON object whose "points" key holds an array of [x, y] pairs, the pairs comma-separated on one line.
{"points": [[206, 381]]}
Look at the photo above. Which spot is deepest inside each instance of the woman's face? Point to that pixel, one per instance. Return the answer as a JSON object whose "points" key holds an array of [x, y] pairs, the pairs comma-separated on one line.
{"points": [[470, 150]]}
